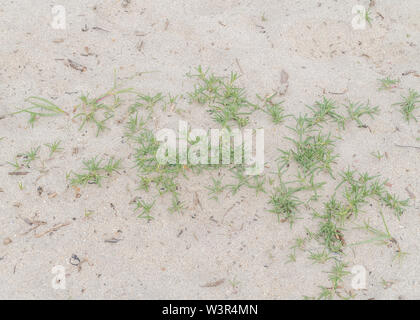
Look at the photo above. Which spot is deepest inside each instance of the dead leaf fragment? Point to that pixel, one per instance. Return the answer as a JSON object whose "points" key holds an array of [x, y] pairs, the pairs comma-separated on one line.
{"points": [[53, 229], [18, 173], [410, 194], [75, 65], [284, 83], [112, 240], [197, 201], [7, 241], [140, 45], [213, 284], [52, 195]]}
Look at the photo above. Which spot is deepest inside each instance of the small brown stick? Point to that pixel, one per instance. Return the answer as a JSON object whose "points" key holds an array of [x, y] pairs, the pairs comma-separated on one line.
{"points": [[112, 240], [56, 228], [406, 73], [414, 147], [197, 200], [337, 92], [18, 173], [77, 66], [36, 224], [213, 284], [411, 195], [227, 211], [239, 66], [101, 29]]}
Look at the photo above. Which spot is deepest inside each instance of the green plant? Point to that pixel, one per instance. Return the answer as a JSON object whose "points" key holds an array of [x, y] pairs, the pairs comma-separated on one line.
{"points": [[90, 110], [216, 189], [284, 203], [272, 108], [177, 206], [226, 101], [41, 107], [356, 110], [324, 110], [145, 209], [94, 110], [263, 18], [388, 83], [380, 237], [112, 166], [171, 102], [377, 155], [337, 274], [30, 156], [15, 164], [312, 152], [95, 172], [146, 102], [54, 147], [367, 16], [257, 184], [409, 105], [320, 257]]}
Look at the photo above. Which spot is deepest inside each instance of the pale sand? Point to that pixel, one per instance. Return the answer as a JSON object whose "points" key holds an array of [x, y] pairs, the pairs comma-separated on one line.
{"points": [[313, 41]]}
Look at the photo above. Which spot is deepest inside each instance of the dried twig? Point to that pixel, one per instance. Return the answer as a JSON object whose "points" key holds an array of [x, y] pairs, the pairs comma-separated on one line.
{"points": [[414, 147], [75, 65], [56, 228], [18, 173], [213, 284]]}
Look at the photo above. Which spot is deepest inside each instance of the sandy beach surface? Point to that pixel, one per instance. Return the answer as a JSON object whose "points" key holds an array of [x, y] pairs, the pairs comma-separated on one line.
{"points": [[233, 248]]}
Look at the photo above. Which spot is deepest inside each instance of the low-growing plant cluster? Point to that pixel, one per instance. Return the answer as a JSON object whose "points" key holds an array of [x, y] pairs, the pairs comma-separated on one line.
{"points": [[293, 191]]}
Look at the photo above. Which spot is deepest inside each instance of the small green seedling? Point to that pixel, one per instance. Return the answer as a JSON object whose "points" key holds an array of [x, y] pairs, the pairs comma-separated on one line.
{"points": [[95, 172], [272, 108], [284, 203], [356, 110], [54, 147], [88, 213], [380, 237], [324, 110], [337, 274], [378, 155], [399, 256], [367, 16], [216, 189], [171, 102], [146, 102], [388, 83], [409, 105], [30, 156], [145, 209], [15, 164], [257, 184], [112, 166], [91, 108], [226, 101], [177, 206], [263, 18], [320, 257]]}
